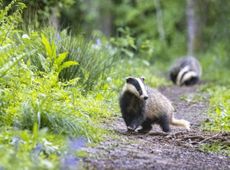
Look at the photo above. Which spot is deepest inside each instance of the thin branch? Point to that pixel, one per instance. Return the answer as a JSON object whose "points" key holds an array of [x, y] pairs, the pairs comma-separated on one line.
{"points": [[206, 139]]}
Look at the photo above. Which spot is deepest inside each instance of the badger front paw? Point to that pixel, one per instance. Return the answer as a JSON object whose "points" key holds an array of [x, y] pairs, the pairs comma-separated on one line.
{"points": [[144, 130]]}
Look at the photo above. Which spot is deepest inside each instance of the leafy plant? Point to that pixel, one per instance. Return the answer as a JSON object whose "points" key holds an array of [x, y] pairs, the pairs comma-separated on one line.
{"points": [[32, 150], [95, 59], [219, 110], [10, 17], [125, 43], [52, 61]]}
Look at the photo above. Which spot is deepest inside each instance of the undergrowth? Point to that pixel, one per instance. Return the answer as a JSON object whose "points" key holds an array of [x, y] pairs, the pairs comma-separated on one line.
{"points": [[216, 73], [219, 110], [216, 76], [41, 108]]}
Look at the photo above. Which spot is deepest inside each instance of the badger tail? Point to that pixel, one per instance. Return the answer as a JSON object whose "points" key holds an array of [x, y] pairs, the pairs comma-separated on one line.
{"points": [[180, 122]]}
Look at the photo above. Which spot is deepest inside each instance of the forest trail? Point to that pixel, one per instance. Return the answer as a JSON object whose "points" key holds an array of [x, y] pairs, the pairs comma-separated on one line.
{"points": [[156, 150]]}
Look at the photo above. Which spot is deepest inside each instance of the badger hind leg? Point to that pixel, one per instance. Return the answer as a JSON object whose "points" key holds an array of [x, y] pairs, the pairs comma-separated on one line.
{"points": [[146, 126], [163, 121]]}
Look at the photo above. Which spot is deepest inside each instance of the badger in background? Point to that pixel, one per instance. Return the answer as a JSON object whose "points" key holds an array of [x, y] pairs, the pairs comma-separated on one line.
{"points": [[143, 106], [185, 71]]}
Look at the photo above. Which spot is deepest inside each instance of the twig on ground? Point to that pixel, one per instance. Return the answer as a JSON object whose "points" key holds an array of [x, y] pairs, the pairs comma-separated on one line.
{"points": [[206, 139]]}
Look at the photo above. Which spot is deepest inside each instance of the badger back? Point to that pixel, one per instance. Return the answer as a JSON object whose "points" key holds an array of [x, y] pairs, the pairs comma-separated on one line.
{"points": [[158, 104]]}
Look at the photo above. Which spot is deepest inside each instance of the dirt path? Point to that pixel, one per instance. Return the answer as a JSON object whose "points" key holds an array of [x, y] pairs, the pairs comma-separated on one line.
{"points": [[156, 150]]}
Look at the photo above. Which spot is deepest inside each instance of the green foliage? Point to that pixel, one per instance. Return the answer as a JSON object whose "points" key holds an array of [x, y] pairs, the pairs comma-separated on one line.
{"points": [[30, 89], [216, 148], [81, 59], [141, 17], [41, 12], [215, 21], [219, 110], [216, 70], [30, 150], [27, 99], [33, 100], [215, 64], [10, 17], [136, 24], [125, 44], [95, 59], [53, 62], [9, 22]]}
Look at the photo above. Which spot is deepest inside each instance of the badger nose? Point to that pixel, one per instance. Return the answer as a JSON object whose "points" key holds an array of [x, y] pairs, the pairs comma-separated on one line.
{"points": [[146, 97], [129, 128]]}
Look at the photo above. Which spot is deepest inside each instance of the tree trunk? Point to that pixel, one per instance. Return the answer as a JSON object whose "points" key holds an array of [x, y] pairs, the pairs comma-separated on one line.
{"points": [[106, 22], [159, 16], [53, 20], [193, 27]]}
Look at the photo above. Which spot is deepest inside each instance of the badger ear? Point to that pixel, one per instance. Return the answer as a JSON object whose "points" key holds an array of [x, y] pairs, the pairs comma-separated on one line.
{"points": [[142, 78], [128, 79]]}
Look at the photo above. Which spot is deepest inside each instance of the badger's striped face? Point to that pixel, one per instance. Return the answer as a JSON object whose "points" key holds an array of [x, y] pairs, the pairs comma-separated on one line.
{"points": [[186, 75], [137, 87]]}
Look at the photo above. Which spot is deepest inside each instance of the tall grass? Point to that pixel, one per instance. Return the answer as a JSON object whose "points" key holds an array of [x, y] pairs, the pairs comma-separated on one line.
{"points": [[94, 57]]}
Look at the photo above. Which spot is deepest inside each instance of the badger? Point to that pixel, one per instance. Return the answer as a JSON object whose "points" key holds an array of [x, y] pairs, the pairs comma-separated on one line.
{"points": [[142, 106], [185, 71]]}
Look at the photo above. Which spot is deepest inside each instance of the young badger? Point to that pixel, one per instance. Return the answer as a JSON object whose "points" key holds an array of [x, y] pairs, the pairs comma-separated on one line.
{"points": [[185, 71], [142, 105]]}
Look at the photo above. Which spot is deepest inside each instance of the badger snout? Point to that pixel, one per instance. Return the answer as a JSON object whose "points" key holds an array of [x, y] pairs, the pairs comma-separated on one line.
{"points": [[130, 129], [145, 97]]}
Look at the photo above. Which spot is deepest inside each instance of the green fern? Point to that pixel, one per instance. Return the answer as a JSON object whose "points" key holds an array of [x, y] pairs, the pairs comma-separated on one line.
{"points": [[10, 51], [10, 22], [56, 63]]}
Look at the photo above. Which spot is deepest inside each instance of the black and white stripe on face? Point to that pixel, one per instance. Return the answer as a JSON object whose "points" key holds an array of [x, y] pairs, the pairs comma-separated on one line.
{"points": [[136, 86], [189, 78], [181, 73], [185, 75]]}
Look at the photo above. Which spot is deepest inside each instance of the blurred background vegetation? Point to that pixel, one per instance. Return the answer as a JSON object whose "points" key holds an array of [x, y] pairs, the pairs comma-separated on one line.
{"points": [[62, 64]]}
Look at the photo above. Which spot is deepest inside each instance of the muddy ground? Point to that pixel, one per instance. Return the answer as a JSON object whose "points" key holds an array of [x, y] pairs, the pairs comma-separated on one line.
{"points": [[178, 149]]}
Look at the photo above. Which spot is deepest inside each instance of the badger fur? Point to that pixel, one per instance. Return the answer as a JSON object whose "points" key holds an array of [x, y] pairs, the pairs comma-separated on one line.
{"points": [[185, 71], [143, 106]]}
